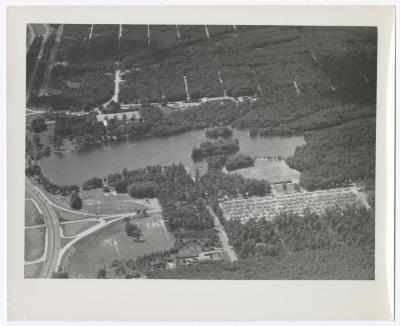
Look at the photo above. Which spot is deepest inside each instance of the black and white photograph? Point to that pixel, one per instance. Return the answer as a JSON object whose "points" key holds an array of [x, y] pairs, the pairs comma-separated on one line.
{"points": [[200, 152]]}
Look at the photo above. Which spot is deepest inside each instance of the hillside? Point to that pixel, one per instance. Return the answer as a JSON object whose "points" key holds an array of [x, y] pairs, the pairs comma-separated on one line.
{"points": [[327, 62]]}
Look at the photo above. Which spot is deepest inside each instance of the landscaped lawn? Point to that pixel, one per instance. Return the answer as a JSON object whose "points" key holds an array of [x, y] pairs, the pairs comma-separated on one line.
{"points": [[95, 201], [72, 229], [64, 216], [272, 171]]}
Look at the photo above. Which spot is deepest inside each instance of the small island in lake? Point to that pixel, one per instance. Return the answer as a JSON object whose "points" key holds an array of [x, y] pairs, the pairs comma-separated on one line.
{"points": [[219, 147]]}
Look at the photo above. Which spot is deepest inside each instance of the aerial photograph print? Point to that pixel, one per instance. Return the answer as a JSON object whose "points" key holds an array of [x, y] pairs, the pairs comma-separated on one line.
{"points": [[218, 152]]}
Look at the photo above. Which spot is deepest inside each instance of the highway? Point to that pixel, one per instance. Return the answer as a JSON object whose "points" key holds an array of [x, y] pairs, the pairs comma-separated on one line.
{"points": [[53, 251], [53, 229]]}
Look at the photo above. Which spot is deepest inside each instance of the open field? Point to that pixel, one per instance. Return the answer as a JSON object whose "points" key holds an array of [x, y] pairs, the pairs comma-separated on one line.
{"points": [[72, 229], [32, 215], [65, 241], [64, 216], [111, 243], [33, 270], [273, 171], [34, 243], [59, 200], [97, 202]]}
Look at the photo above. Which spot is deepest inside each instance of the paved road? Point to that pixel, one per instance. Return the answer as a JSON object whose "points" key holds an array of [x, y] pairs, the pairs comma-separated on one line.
{"points": [[54, 252], [101, 224], [223, 237], [53, 229]]}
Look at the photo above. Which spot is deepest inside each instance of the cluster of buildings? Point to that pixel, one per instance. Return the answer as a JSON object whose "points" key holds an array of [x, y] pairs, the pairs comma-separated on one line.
{"points": [[123, 116], [268, 207], [188, 258]]}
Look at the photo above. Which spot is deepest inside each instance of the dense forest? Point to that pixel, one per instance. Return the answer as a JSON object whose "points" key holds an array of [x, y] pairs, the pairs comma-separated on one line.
{"points": [[337, 156], [341, 263], [287, 233], [329, 65], [339, 244]]}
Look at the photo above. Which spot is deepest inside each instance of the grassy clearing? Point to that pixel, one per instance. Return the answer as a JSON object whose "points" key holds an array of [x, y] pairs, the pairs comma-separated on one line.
{"points": [[32, 215], [72, 229], [86, 257], [272, 171], [59, 200], [32, 271], [95, 201], [64, 216], [65, 241], [34, 243]]}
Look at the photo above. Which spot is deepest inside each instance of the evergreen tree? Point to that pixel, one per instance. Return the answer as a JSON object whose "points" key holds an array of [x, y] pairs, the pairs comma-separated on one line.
{"points": [[75, 201]]}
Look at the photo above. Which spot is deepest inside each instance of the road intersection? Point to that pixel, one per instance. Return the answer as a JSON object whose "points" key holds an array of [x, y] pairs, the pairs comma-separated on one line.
{"points": [[54, 251]]}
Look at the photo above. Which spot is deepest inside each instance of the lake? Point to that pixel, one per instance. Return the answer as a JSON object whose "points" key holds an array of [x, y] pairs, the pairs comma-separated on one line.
{"points": [[77, 167]]}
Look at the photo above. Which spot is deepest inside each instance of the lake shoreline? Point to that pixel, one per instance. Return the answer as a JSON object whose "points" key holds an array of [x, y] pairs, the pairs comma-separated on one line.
{"points": [[78, 166]]}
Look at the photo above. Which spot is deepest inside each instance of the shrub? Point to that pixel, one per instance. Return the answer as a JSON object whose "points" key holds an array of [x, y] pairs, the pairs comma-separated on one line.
{"points": [[144, 189], [38, 125], [75, 201], [239, 162], [93, 183]]}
